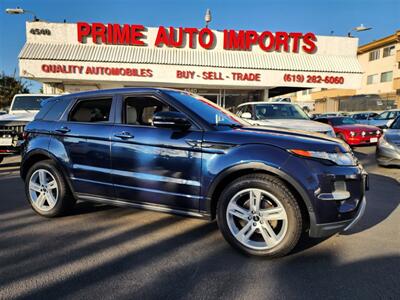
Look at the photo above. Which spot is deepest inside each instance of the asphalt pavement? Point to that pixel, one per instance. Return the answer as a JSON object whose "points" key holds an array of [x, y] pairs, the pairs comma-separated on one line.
{"points": [[102, 252]]}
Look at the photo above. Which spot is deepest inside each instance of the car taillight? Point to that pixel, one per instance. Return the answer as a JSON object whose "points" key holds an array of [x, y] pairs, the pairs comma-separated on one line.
{"points": [[25, 135]]}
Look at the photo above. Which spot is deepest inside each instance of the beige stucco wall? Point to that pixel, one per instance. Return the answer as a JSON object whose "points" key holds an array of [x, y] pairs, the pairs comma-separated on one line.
{"points": [[383, 64]]}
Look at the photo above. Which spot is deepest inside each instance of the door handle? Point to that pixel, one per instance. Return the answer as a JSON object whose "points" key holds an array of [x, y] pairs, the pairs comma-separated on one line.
{"points": [[63, 129], [124, 135]]}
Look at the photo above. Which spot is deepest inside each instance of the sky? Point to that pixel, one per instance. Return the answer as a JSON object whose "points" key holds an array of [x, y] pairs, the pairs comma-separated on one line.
{"points": [[323, 17]]}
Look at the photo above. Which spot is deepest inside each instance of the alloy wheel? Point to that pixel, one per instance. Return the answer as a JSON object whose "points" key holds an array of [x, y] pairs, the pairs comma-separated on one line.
{"points": [[43, 190], [257, 219]]}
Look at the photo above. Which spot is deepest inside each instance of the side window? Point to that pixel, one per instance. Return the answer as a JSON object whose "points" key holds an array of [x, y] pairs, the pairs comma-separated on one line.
{"points": [[140, 110], [91, 111], [323, 121]]}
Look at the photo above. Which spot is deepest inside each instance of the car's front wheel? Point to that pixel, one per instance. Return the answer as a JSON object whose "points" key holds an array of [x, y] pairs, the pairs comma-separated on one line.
{"points": [[47, 191], [259, 215]]}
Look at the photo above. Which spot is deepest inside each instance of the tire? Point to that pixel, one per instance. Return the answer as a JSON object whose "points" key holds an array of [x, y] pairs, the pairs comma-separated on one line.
{"points": [[38, 193], [273, 193]]}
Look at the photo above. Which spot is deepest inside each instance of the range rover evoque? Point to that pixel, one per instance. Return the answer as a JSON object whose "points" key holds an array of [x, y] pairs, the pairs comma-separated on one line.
{"points": [[172, 151]]}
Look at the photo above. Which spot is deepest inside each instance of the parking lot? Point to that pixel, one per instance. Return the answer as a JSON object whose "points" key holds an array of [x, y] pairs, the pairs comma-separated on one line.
{"points": [[106, 252]]}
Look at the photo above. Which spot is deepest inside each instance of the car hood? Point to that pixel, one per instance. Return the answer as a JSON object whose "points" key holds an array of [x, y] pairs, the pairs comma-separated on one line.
{"points": [[357, 127], [23, 117], [306, 125], [282, 138]]}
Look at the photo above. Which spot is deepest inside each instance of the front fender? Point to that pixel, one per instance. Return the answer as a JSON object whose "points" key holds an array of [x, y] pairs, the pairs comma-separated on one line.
{"points": [[265, 158]]}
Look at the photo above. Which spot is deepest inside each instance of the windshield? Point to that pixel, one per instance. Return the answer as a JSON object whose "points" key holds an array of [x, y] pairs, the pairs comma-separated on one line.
{"points": [[206, 109], [28, 102], [280, 111], [342, 121], [382, 116], [396, 124]]}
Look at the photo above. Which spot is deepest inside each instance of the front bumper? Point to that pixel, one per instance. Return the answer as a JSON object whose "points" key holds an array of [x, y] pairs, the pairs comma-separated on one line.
{"points": [[328, 229], [362, 141], [388, 156]]}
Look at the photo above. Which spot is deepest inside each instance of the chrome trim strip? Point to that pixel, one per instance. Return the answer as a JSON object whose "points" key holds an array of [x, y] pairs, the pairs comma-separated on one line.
{"points": [[137, 175], [119, 202], [334, 196], [360, 213], [137, 188]]}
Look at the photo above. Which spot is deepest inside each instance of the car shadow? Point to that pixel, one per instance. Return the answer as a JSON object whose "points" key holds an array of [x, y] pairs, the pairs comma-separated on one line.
{"points": [[379, 207]]}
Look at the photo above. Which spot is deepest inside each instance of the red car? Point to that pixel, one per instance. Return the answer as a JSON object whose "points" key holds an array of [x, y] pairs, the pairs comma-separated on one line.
{"points": [[352, 133]]}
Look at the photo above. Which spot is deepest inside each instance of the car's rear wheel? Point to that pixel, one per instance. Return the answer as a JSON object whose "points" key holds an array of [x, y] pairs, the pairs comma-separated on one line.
{"points": [[259, 215], [47, 191]]}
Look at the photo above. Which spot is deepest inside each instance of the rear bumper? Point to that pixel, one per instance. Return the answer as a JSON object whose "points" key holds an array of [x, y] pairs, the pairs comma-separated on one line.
{"points": [[328, 229]]}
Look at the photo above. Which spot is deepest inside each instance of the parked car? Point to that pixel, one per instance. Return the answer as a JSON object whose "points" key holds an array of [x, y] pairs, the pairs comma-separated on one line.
{"points": [[176, 152], [388, 148], [364, 117], [281, 115], [334, 114], [352, 133], [286, 99], [385, 118], [23, 109]]}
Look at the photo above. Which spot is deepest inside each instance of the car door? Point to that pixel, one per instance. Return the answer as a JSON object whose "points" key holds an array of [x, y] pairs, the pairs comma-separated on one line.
{"points": [[156, 166], [83, 140]]}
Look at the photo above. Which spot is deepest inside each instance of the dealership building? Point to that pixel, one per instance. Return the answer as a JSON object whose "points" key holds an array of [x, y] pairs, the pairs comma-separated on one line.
{"points": [[227, 66]]}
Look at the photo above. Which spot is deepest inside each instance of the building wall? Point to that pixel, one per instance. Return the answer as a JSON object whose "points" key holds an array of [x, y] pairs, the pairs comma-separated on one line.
{"points": [[378, 66], [325, 99]]}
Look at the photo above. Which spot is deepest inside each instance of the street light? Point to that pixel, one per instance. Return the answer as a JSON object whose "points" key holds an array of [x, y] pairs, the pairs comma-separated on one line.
{"points": [[358, 29], [207, 17], [20, 11]]}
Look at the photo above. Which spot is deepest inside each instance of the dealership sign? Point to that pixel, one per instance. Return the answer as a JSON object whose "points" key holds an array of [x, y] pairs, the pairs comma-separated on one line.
{"points": [[242, 40]]}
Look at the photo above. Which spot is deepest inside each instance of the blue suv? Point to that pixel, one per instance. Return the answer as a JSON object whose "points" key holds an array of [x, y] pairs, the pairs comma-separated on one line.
{"points": [[172, 151]]}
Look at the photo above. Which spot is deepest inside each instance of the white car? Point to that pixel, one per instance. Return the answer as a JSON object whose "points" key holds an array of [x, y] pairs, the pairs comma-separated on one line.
{"points": [[281, 115], [23, 109]]}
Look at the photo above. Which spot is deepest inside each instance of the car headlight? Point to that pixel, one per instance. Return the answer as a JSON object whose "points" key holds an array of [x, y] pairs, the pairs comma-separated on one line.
{"points": [[352, 134], [341, 159], [384, 143]]}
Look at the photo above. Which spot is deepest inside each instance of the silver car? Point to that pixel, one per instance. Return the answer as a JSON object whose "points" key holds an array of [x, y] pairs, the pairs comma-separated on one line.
{"points": [[383, 119], [281, 115], [388, 147]]}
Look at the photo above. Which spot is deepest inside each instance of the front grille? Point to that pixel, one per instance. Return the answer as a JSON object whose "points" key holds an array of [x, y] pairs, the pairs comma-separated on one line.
{"points": [[11, 130], [369, 133]]}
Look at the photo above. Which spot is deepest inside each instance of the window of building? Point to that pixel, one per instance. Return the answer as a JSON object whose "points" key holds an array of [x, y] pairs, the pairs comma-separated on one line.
{"points": [[386, 76], [388, 51], [90, 111], [374, 55], [371, 79]]}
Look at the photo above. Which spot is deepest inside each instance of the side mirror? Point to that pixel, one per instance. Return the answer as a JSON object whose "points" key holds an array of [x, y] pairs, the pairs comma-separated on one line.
{"points": [[171, 119], [246, 115]]}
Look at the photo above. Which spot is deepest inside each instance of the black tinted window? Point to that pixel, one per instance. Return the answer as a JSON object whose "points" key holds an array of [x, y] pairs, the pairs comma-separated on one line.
{"points": [[28, 102], [94, 110]]}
